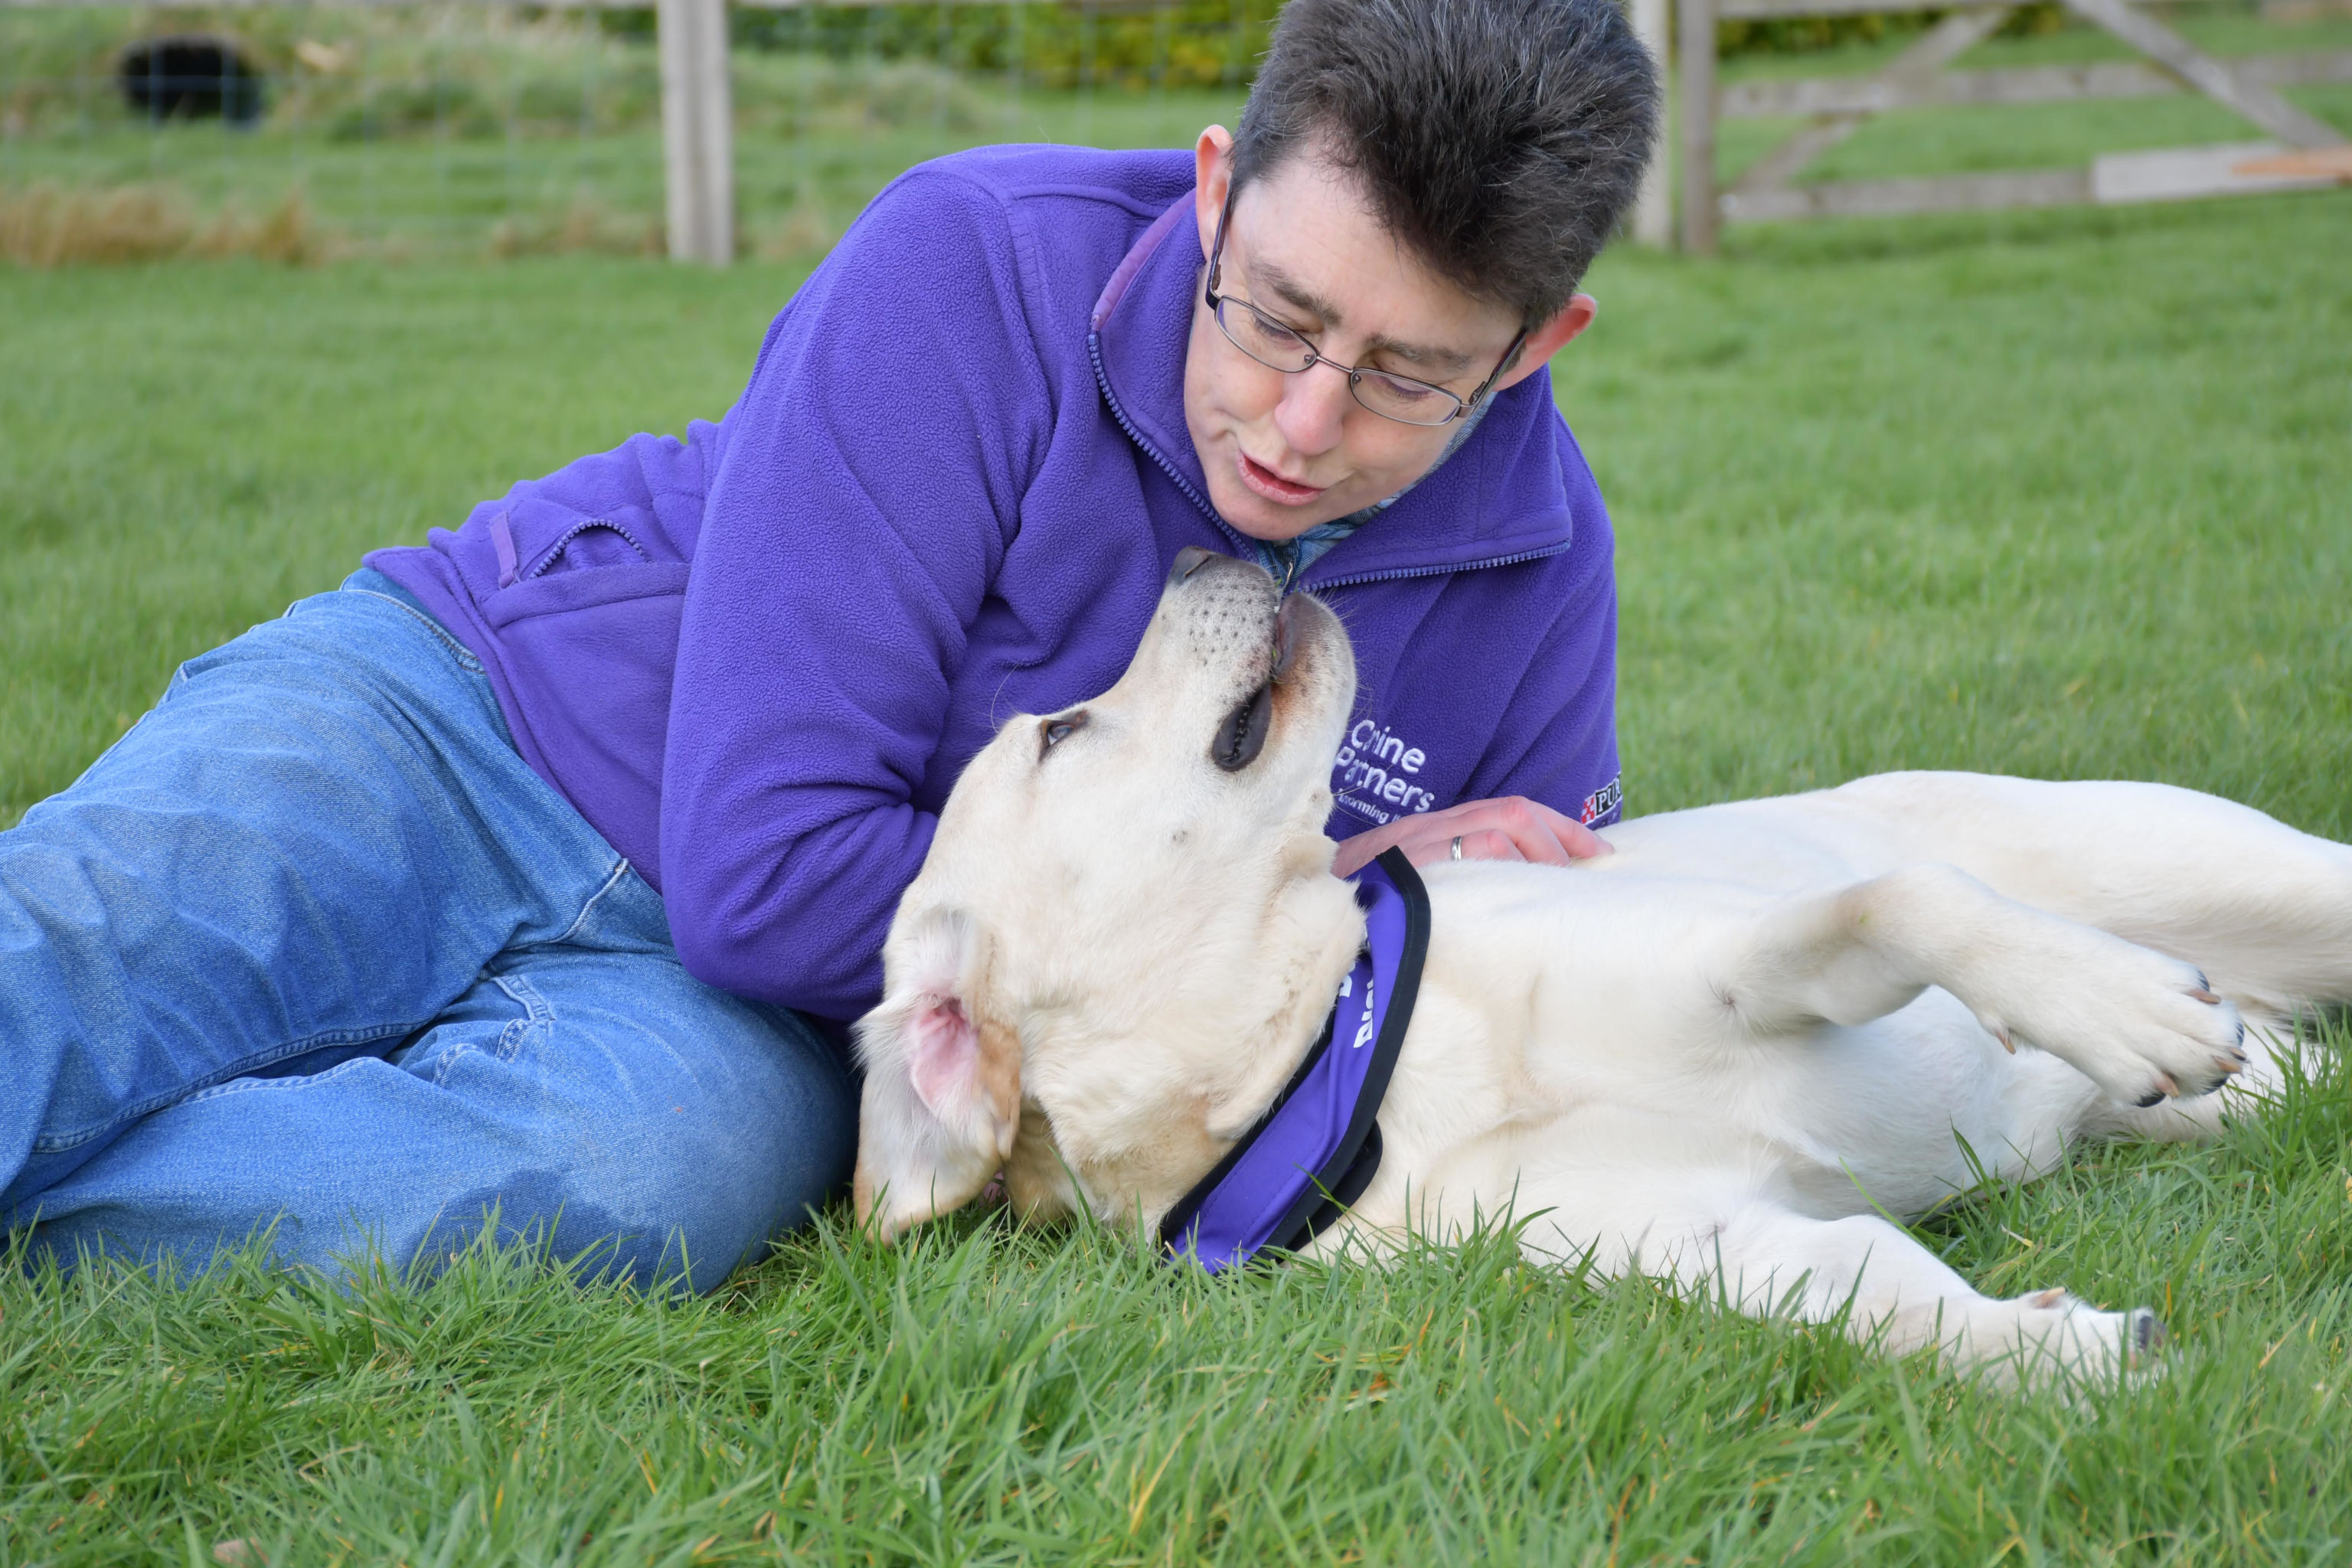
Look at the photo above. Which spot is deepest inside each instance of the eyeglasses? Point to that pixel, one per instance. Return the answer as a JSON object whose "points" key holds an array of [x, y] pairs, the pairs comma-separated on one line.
{"points": [[1278, 347]]}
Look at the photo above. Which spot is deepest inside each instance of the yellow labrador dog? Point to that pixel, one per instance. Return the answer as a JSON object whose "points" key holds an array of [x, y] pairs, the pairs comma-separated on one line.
{"points": [[1718, 1054]]}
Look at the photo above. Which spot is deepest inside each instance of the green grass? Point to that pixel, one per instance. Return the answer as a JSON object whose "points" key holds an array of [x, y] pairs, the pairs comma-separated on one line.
{"points": [[2062, 494], [981, 1396]]}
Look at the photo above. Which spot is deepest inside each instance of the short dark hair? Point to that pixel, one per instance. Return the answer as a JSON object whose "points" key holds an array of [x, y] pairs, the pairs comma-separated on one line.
{"points": [[1501, 139]]}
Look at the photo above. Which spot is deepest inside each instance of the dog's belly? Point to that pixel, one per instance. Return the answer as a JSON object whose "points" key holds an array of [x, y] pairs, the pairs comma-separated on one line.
{"points": [[1893, 1115], [1900, 1114], [1573, 1051]]}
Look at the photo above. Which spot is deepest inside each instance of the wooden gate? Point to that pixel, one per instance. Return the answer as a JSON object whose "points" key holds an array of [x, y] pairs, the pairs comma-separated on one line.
{"points": [[2302, 152]]}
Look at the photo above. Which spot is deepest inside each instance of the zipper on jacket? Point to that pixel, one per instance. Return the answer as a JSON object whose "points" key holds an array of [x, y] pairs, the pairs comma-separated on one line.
{"points": [[1102, 380], [1395, 572], [1290, 578]]}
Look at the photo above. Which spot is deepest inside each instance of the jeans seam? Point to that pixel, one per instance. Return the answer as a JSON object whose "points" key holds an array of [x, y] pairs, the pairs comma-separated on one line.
{"points": [[249, 1085], [116, 745], [457, 650], [611, 880], [179, 679], [214, 1082], [537, 1018]]}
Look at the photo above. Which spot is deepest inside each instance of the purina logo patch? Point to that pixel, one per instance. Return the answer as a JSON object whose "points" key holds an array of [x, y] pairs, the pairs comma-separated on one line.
{"points": [[1601, 806], [1377, 775]]}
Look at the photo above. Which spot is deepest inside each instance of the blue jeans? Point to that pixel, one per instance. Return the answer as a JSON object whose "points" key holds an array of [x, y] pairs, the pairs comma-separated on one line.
{"points": [[311, 948]]}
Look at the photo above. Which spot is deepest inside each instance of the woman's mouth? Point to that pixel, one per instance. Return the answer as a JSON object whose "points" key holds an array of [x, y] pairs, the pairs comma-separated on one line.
{"points": [[1273, 486]]}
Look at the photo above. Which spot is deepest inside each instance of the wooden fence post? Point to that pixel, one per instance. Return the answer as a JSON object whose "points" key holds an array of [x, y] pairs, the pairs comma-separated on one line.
{"points": [[1653, 209], [697, 131], [1695, 26]]}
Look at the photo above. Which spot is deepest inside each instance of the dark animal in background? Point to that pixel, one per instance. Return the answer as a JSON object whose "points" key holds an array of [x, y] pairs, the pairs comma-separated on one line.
{"points": [[191, 76]]}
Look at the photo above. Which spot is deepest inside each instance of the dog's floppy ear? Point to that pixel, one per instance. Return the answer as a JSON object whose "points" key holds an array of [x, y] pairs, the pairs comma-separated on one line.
{"points": [[942, 1098]]}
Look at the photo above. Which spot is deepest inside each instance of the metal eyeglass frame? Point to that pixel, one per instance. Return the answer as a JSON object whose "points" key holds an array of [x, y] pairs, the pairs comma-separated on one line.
{"points": [[1355, 373]]}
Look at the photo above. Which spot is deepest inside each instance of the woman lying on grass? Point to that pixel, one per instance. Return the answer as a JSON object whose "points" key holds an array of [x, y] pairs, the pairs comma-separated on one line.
{"points": [[529, 874]]}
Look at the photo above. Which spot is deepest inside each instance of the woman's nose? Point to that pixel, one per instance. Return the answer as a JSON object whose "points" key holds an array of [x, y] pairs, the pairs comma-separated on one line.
{"points": [[1314, 408]]}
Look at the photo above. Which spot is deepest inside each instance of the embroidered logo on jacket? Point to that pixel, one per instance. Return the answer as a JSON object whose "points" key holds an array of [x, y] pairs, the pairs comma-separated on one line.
{"points": [[1374, 776], [1377, 777], [1600, 807]]}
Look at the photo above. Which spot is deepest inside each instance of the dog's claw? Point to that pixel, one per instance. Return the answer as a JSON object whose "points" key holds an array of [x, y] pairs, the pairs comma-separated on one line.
{"points": [[2228, 1069], [2201, 995], [2006, 1043]]}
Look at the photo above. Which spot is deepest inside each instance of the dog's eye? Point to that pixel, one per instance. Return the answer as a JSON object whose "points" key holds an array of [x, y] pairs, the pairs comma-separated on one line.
{"points": [[1052, 733]]}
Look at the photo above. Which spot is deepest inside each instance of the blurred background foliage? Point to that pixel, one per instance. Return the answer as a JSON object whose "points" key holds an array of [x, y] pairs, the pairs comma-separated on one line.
{"points": [[496, 70], [408, 130], [484, 71], [1808, 34]]}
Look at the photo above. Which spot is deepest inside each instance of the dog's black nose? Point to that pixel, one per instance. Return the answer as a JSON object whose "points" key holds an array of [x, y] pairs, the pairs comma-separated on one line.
{"points": [[1189, 560]]}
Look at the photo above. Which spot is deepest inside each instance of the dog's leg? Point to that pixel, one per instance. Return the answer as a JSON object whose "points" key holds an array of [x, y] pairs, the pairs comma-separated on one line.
{"points": [[2263, 909], [2139, 1025], [1897, 1294], [1723, 1234]]}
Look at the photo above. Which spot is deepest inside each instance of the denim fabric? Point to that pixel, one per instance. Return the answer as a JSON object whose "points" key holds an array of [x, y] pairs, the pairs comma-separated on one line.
{"points": [[312, 948]]}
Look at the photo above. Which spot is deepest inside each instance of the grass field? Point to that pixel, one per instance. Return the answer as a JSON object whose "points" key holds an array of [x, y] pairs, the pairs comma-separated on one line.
{"points": [[2062, 494]]}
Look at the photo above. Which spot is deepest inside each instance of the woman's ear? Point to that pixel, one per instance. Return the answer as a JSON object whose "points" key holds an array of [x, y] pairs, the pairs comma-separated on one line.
{"points": [[1567, 324], [1213, 175], [942, 1098]]}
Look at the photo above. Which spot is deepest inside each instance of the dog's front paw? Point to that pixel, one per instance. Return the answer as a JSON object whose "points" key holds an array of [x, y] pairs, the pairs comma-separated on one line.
{"points": [[2142, 1026], [2051, 1337]]}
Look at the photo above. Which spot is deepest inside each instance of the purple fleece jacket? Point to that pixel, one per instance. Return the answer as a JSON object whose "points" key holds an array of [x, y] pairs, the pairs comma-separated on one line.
{"points": [[757, 658]]}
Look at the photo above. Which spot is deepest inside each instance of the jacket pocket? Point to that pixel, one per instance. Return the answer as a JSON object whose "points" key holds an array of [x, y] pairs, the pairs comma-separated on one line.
{"points": [[595, 623]]}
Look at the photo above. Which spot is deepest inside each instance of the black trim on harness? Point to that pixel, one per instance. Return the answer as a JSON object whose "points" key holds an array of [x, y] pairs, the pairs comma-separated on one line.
{"points": [[1349, 1171]]}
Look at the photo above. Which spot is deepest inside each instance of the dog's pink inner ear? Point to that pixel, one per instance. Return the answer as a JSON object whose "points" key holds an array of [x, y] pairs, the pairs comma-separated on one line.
{"points": [[943, 1055]]}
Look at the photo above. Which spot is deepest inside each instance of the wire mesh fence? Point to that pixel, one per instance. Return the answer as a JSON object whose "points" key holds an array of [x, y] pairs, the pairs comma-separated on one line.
{"points": [[423, 129]]}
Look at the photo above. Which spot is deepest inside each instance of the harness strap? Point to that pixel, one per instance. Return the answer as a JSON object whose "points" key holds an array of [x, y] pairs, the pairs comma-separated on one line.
{"points": [[1317, 1146]]}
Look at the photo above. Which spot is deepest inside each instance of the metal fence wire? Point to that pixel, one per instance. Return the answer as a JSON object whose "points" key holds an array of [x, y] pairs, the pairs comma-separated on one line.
{"points": [[300, 129]]}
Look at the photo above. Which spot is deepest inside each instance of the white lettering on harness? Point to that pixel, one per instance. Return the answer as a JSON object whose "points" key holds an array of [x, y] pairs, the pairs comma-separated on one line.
{"points": [[1364, 1029]]}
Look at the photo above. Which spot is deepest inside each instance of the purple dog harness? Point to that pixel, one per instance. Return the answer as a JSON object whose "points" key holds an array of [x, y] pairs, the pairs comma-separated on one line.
{"points": [[1316, 1147]]}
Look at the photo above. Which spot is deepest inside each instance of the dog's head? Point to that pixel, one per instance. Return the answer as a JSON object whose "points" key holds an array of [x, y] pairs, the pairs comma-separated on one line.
{"points": [[1126, 930]]}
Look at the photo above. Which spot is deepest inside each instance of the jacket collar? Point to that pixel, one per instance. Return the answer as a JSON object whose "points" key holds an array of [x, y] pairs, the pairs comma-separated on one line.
{"points": [[1500, 497]]}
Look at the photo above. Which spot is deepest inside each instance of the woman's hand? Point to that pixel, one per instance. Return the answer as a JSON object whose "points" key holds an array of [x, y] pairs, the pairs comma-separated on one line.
{"points": [[1513, 828]]}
